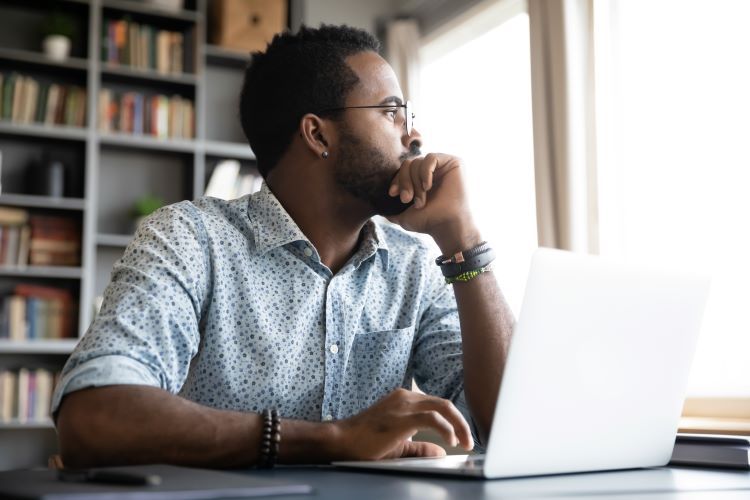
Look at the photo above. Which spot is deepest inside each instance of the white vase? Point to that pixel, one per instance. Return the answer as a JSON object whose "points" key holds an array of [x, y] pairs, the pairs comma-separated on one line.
{"points": [[56, 47]]}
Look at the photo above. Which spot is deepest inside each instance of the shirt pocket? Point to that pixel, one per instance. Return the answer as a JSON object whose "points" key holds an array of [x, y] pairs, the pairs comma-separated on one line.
{"points": [[377, 365]]}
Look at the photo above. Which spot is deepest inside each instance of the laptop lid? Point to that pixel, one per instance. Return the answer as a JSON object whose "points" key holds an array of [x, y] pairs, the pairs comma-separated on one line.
{"points": [[598, 367]]}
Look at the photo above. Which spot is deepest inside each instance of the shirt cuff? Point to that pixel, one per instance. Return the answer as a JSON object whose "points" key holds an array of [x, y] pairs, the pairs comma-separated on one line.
{"points": [[103, 371]]}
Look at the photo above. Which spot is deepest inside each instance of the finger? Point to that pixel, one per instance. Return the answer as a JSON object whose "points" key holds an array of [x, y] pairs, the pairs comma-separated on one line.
{"points": [[395, 187], [423, 173], [427, 169], [422, 449], [445, 163], [435, 420], [405, 187], [451, 414], [416, 182]]}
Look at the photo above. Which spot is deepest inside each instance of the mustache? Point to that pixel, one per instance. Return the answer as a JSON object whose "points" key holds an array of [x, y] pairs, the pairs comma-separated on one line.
{"points": [[414, 151]]}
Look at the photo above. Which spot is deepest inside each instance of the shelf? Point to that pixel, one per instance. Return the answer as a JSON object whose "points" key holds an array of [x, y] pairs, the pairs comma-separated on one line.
{"points": [[147, 75], [129, 6], [60, 272], [147, 142], [30, 424], [57, 346], [113, 240], [45, 131], [37, 58], [30, 200], [229, 150], [226, 57]]}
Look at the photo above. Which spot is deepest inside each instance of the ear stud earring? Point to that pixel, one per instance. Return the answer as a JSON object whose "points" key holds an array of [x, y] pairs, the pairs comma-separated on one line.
{"points": [[325, 154]]}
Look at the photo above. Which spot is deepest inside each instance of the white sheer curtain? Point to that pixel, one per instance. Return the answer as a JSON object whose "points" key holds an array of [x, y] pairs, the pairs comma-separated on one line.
{"points": [[402, 53], [564, 140]]}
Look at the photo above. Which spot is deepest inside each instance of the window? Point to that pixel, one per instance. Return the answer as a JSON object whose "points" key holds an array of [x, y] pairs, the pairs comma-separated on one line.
{"points": [[475, 103], [674, 166]]}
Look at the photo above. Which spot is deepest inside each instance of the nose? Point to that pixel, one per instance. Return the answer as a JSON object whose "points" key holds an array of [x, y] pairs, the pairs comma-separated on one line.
{"points": [[413, 141]]}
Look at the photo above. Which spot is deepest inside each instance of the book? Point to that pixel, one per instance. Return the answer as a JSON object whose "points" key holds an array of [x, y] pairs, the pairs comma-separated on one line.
{"points": [[53, 97], [23, 395], [43, 395], [13, 216], [10, 86], [55, 310], [54, 241], [18, 98], [17, 318], [8, 381], [711, 450], [12, 242]]}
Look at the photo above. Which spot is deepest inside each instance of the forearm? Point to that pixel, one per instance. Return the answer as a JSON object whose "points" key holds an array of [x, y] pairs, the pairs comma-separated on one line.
{"points": [[486, 328], [139, 424]]}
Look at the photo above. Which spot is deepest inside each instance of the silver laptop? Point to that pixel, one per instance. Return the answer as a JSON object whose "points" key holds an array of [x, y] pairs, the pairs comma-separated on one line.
{"points": [[596, 373]]}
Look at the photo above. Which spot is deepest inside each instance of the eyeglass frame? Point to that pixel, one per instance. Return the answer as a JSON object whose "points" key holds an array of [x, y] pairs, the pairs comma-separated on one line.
{"points": [[408, 117]]}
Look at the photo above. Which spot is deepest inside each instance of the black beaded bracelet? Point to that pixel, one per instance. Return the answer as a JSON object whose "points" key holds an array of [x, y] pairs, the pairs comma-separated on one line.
{"points": [[270, 438]]}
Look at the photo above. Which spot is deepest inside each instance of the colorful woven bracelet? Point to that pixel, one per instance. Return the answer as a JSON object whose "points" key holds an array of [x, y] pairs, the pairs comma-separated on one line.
{"points": [[467, 275]]}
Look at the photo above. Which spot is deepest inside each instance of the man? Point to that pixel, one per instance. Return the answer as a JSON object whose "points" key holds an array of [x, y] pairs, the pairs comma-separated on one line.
{"points": [[295, 299]]}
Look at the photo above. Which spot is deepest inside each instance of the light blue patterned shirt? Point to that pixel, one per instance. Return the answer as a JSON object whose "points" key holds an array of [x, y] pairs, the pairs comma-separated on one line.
{"points": [[228, 304]]}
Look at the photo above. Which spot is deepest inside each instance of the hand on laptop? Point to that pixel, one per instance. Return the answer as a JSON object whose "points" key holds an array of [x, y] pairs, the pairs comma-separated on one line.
{"points": [[384, 429]]}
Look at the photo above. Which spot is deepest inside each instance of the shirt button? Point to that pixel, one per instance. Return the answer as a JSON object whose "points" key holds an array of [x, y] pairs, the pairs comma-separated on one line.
{"points": [[308, 252], [328, 417], [334, 348]]}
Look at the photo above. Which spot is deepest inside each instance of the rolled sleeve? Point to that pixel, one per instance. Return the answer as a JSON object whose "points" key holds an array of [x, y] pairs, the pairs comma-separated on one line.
{"points": [[147, 331], [438, 355], [103, 371]]}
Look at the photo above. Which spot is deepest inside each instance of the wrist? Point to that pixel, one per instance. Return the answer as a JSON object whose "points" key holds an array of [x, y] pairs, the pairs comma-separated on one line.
{"points": [[309, 442], [455, 237]]}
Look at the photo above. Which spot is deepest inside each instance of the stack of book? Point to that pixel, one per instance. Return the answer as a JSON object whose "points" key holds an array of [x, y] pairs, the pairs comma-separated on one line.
{"points": [[142, 46], [54, 241], [26, 394], [156, 115], [37, 312], [26, 100], [15, 236]]}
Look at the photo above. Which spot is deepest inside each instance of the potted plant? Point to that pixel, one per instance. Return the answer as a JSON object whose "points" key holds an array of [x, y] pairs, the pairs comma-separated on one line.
{"points": [[144, 206], [58, 30]]}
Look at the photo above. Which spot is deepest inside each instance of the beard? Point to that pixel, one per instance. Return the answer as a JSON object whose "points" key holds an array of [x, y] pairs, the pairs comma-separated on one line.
{"points": [[366, 173]]}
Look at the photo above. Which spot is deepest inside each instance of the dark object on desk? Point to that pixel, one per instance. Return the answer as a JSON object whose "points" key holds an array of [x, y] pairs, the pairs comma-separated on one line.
{"points": [[176, 483], [711, 450], [107, 477]]}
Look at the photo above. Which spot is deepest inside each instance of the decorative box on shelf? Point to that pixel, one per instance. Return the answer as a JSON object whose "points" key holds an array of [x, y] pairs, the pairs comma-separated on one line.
{"points": [[247, 25]]}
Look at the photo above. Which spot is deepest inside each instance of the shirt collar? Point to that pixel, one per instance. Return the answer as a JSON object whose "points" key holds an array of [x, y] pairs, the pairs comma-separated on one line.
{"points": [[273, 227]]}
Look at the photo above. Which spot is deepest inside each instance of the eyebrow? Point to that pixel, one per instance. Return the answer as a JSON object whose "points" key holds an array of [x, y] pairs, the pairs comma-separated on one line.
{"points": [[394, 99]]}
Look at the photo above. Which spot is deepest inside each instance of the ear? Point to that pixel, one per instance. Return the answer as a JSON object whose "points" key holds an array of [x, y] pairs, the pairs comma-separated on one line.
{"points": [[317, 134]]}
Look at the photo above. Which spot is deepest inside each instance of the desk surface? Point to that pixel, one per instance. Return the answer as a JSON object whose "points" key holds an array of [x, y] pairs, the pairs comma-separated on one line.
{"points": [[661, 483]]}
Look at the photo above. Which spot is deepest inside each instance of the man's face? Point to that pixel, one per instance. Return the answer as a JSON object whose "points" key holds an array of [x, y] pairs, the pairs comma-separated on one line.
{"points": [[373, 141]]}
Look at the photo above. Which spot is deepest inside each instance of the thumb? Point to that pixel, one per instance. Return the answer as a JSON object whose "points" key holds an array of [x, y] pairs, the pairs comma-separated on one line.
{"points": [[421, 449]]}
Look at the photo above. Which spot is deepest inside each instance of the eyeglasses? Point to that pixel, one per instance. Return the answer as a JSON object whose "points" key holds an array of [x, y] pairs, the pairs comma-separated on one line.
{"points": [[408, 113]]}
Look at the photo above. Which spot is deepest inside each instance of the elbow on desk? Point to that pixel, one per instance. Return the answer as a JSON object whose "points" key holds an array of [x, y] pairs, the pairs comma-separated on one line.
{"points": [[81, 433]]}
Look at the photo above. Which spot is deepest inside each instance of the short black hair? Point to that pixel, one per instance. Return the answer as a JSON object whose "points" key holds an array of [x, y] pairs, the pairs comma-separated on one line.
{"points": [[298, 73]]}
